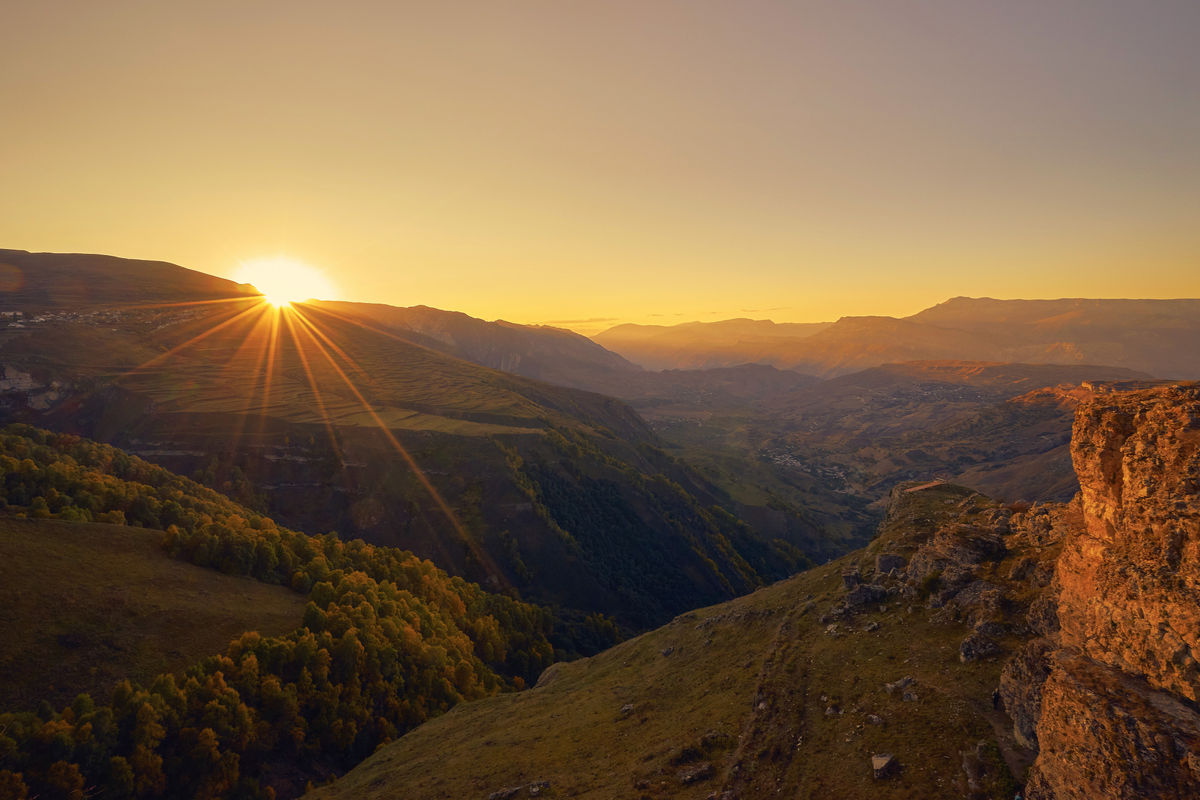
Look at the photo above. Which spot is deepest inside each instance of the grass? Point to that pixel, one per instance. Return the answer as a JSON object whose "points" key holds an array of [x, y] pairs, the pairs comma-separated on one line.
{"points": [[86, 606], [411, 387], [745, 687]]}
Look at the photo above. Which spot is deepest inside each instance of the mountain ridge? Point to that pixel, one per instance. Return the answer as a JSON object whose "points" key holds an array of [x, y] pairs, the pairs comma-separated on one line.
{"points": [[1160, 337], [332, 425]]}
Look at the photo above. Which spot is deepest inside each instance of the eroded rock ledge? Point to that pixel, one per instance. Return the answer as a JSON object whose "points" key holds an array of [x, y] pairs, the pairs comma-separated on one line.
{"points": [[1116, 714]]}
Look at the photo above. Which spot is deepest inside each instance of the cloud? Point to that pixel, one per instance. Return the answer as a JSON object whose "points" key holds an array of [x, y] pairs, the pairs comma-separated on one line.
{"points": [[763, 310]]}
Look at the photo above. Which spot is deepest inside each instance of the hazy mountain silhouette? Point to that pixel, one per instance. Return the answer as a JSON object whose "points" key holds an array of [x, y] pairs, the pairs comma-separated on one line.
{"points": [[696, 345], [1161, 337], [81, 280]]}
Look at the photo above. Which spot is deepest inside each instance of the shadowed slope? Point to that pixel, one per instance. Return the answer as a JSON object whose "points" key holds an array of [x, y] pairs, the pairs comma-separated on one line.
{"points": [[122, 608]]}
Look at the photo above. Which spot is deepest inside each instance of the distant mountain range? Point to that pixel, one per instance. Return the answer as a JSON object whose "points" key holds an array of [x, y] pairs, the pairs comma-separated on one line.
{"points": [[696, 345], [1161, 337]]}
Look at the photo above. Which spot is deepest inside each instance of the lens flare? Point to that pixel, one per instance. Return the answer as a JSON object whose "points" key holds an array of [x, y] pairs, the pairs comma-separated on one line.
{"points": [[284, 280]]}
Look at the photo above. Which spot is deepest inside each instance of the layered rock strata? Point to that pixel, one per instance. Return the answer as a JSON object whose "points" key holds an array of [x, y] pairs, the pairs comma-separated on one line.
{"points": [[1117, 713]]}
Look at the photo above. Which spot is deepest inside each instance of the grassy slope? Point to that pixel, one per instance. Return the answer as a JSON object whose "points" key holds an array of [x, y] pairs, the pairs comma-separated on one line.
{"points": [[85, 606], [209, 400], [758, 672]]}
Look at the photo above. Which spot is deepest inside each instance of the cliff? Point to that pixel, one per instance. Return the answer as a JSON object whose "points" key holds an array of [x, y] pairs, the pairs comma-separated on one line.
{"points": [[1120, 651]]}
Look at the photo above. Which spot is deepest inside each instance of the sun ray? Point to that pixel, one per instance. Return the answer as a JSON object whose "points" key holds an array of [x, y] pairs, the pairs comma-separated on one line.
{"points": [[269, 372], [258, 306], [365, 326], [312, 382], [260, 363], [298, 310], [399, 448], [184, 303]]}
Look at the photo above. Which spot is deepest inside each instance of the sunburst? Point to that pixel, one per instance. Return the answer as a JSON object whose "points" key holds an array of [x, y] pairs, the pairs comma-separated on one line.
{"points": [[277, 318], [284, 280]]}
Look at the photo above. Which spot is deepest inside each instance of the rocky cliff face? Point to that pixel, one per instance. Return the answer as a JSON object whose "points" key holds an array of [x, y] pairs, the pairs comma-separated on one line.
{"points": [[1118, 709]]}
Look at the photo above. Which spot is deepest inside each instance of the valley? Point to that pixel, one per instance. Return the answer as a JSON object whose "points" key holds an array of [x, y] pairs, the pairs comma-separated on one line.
{"points": [[969, 643], [741, 579], [612, 401], [561, 496]]}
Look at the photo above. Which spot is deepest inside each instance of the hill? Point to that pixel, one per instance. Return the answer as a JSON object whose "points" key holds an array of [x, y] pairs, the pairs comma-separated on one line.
{"points": [[560, 495], [540, 352], [972, 650], [1160, 337], [37, 281], [122, 609], [383, 641], [773, 693]]}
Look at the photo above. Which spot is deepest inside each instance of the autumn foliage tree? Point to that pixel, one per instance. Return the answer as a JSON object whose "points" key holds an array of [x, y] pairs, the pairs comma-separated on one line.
{"points": [[387, 640]]}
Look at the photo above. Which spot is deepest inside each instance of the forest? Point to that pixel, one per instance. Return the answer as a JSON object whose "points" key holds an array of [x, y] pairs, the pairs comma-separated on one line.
{"points": [[387, 641]]}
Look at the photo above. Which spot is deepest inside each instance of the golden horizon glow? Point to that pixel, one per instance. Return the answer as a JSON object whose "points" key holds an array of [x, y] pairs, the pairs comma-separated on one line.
{"points": [[284, 280], [623, 161]]}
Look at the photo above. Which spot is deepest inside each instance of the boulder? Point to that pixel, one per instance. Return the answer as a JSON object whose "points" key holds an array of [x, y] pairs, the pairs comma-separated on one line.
{"points": [[978, 602], [695, 773], [975, 647], [884, 765], [865, 594], [886, 562]]}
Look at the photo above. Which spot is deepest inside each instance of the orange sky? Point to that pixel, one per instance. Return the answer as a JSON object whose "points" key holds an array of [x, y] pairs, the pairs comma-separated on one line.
{"points": [[618, 161]]}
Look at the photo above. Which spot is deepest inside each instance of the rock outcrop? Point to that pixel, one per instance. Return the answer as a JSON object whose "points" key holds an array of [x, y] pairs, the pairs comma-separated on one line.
{"points": [[1118, 715]]}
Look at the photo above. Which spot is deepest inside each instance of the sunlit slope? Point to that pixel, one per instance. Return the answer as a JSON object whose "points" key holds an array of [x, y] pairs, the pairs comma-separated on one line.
{"points": [[88, 605], [331, 425], [301, 365], [760, 697], [1004, 428], [541, 352]]}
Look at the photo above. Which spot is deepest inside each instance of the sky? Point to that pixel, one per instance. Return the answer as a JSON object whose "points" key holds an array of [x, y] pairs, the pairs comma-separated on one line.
{"points": [[589, 163]]}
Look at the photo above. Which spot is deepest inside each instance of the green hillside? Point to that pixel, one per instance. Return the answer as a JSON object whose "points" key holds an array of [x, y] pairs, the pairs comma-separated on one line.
{"points": [[783, 692], [385, 641], [329, 425], [122, 609]]}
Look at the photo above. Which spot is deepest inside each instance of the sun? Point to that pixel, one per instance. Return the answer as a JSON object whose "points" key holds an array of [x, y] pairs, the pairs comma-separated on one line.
{"points": [[284, 280]]}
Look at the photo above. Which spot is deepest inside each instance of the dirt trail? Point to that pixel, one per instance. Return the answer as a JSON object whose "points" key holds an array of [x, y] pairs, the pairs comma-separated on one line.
{"points": [[769, 739], [1019, 759]]}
